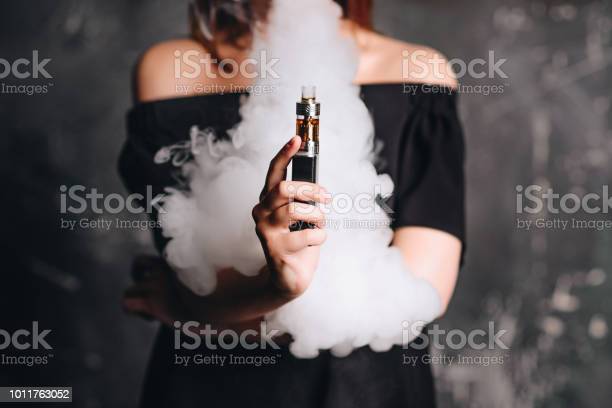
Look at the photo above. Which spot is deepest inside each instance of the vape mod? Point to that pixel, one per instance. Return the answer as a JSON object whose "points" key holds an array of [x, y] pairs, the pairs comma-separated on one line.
{"points": [[306, 160]]}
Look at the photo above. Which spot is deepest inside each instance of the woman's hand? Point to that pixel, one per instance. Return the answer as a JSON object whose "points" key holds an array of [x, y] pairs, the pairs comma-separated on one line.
{"points": [[151, 295], [156, 295], [292, 256]]}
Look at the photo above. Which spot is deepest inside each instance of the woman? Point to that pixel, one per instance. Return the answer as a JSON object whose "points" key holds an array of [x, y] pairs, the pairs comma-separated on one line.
{"points": [[423, 154]]}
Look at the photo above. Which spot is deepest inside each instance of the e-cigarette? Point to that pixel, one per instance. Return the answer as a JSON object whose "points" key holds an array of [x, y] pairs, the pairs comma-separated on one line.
{"points": [[306, 160]]}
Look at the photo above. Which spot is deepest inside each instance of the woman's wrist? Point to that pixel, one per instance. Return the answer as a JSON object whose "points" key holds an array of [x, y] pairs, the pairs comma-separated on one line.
{"points": [[279, 288]]}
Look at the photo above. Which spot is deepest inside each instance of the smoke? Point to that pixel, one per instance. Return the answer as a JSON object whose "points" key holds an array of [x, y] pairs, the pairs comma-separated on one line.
{"points": [[362, 291]]}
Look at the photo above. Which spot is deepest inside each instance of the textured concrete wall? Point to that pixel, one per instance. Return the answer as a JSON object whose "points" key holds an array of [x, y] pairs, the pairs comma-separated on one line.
{"points": [[550, 126]]}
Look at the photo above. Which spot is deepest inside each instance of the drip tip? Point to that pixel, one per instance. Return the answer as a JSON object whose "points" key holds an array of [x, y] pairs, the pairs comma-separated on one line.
{"points": [[309, 92]]}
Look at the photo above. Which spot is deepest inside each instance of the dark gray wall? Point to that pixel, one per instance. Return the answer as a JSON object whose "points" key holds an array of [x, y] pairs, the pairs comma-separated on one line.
{"points": [[550, 126]]}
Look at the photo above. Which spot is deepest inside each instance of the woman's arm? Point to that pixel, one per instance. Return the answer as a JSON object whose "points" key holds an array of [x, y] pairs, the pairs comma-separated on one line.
{"points": [[241, 301], [238, 302], [433, 255]]}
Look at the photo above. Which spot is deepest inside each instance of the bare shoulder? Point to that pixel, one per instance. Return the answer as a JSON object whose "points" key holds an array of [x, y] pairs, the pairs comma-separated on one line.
{"points": [[387, 60], [154, 77]]}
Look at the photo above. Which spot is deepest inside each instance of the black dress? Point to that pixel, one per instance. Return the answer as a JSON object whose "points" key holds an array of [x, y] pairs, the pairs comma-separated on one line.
{"points": [[423, 152]]}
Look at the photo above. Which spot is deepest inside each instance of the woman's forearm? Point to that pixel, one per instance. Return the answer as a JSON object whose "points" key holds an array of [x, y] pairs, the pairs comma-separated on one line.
{"points": [[237, 299], [432, 255]]}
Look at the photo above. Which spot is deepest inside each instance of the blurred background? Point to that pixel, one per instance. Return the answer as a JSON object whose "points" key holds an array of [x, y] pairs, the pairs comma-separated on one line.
{"points": [[550, 126]]}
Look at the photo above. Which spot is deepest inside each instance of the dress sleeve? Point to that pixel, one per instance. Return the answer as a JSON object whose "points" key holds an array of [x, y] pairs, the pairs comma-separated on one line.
{"points": [[430, 189], [140, 174]]}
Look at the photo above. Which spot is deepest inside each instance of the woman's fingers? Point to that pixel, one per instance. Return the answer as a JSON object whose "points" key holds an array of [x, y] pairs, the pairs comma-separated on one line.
{"points": [[278, 166], [273, 228], [149, 296], [298, 240], [136, 301], [136, 304]]}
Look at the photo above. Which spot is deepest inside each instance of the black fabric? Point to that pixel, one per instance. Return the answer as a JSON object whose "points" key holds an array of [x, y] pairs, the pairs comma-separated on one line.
{"points": [[365, 379], [423, 152]]}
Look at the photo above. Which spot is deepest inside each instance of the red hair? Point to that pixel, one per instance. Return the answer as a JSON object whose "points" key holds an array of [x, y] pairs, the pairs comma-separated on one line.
{"points": [[225, 27]]}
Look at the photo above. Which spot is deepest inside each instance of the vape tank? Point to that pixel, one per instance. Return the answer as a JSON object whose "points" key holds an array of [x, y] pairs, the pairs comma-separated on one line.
{"points": [[305, 163]]}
